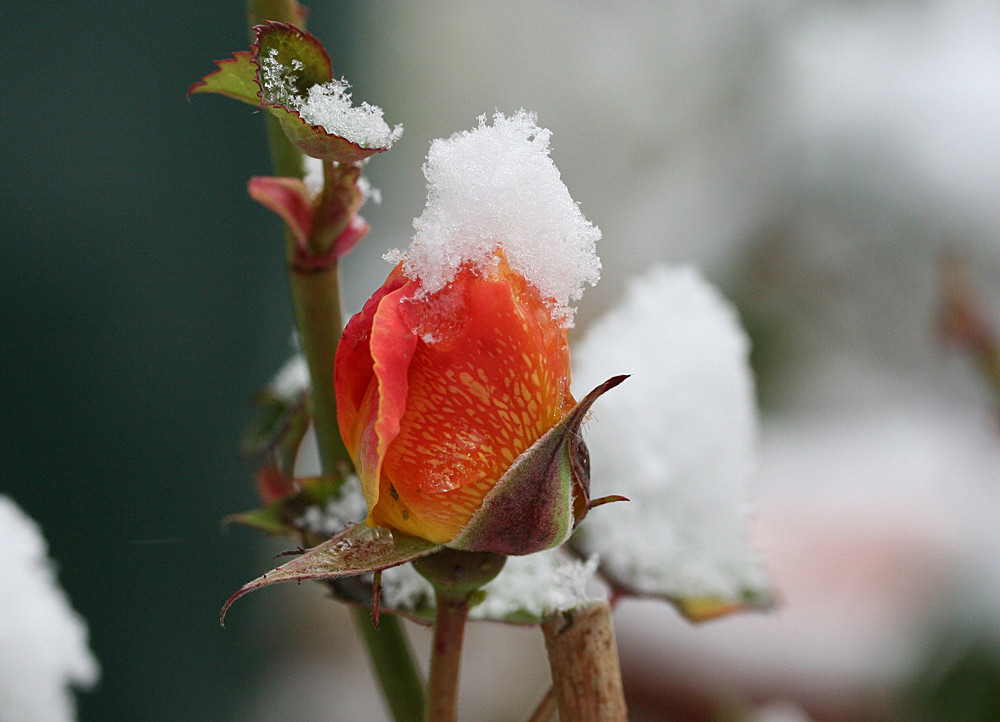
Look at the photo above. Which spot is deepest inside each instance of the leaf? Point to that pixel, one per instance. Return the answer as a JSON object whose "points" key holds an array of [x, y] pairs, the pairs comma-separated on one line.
{"points": [[290, 47], [692, 608], [313, 140], [356, 550], [275, 417], [303, 63], [268, 519], [236, 77], [290, 199]]}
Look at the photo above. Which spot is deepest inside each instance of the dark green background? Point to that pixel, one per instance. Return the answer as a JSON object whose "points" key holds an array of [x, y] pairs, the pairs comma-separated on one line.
{"points": [[143, 301]]}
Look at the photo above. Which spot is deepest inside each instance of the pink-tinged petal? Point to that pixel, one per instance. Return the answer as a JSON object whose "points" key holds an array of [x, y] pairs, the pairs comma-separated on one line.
{"points": [[354, 368], [289, 198], [392, 345], [356, 229]]}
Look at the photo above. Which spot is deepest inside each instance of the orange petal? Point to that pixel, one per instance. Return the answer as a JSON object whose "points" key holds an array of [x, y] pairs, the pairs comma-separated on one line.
{"points": [[488, 376]]}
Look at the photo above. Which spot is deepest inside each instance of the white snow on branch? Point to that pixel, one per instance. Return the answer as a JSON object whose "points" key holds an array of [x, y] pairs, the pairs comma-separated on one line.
{"points": [[43, 641], [679, 438], [496, 186]]}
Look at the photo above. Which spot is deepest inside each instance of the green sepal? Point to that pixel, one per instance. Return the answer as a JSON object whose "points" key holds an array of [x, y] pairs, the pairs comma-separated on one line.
{"points": [[538, 501], [356, 550], [236, 78]]}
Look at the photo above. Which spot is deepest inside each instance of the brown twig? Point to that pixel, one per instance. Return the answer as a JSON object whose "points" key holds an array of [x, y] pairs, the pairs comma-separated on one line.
{"points": [[584, 661]]}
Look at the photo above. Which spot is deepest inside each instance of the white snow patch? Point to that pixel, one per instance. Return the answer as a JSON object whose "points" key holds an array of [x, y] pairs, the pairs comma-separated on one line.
{"points": [[679, 438], [43, 641], [537, 584], [292, 379], [496, 186], [337, 514]]}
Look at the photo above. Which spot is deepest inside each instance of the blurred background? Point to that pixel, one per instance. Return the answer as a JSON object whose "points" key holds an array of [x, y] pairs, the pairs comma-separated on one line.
{"points": [[816, 160]]}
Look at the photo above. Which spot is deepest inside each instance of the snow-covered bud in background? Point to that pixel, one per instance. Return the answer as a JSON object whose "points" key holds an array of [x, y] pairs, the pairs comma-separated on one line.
{"points": [[679, 440]]}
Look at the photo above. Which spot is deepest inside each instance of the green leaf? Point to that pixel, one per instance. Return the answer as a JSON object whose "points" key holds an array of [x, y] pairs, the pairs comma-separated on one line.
{"points": [[277, 427], [356, 550], [269, 519], [236, 77]]}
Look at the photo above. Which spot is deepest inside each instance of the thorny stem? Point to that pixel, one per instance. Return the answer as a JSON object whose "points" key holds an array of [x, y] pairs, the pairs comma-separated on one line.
{"points": [[446, 655], [316, 300]]}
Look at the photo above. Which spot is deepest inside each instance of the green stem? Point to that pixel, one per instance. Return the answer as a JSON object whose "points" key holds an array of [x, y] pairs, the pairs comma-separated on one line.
{"points": [[446, 656], [405, 694], [316, 302]]}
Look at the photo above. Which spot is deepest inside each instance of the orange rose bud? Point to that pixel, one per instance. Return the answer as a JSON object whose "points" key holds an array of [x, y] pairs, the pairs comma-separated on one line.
{"points": [[438, 394]]}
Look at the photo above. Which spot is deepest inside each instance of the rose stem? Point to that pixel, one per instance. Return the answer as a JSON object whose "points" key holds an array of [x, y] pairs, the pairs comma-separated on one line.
{"points": [[316, 298], [446, 656]]}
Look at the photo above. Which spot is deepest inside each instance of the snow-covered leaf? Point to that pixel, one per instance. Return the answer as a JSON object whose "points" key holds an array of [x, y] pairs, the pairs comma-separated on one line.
{"points": [[297, 85], [680, 441]]}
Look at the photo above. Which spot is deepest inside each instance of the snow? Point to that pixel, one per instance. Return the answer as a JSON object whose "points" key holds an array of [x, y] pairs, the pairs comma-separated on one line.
{"points": [[292, 379], [43, 641], [529, 586], [335, 516], [496, 186], [679, 438], [328, 105]]}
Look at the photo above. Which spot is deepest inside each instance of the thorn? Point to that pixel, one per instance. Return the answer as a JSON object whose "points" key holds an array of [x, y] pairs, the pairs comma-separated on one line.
{"points": [[606, 500], [376, 596]]}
